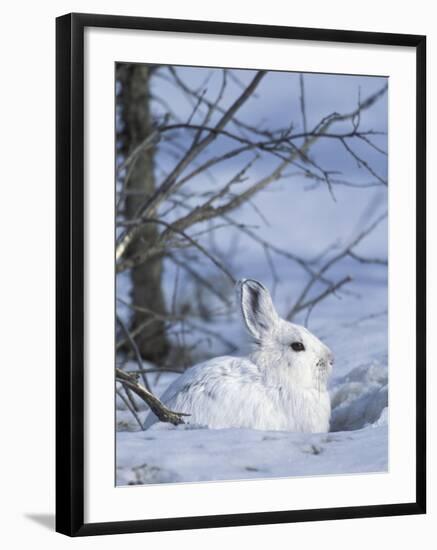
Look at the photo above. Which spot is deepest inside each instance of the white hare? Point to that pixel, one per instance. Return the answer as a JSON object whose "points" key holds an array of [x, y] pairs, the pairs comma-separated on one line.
{"points": [[280, 386]]}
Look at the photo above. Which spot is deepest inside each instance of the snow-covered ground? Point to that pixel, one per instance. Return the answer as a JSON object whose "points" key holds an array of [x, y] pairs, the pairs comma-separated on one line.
{"points": [[357, 442], [181, 455]]}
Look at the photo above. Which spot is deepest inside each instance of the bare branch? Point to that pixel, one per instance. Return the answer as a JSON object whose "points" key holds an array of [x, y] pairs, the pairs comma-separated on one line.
{"points": [[200, 279], [206, 211], [129, 406], [155, 370], [183, 318], [361, 162], [328, 120], [281, 252], [216, 105], [163, 413], [302, 102], [150, 141], [330, 290], [134, 349], [371, 144], [337, 257], [130, 262], [162, 192], [362, 260]]}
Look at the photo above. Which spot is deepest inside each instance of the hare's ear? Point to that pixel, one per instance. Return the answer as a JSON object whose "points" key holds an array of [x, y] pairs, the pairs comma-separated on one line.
{"points": [[257, 307]]}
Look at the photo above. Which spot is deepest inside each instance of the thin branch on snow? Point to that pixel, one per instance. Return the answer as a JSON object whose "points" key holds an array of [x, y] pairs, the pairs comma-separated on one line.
{"points": [[134, 349], [163, 413], [129, 406]]}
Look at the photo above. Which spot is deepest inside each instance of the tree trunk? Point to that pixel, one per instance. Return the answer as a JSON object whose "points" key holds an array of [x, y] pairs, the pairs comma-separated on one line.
{"points": [[133, 101]]}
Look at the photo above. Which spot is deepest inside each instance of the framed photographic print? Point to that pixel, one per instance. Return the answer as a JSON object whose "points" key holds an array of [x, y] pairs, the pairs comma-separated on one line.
{"points": [[240, 274]]}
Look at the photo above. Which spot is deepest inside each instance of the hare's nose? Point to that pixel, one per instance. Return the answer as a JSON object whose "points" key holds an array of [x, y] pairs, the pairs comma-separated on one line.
{"points": [[331, 357]]}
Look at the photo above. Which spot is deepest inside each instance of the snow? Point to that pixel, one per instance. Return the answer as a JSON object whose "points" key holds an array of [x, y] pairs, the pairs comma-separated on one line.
{"points": [[357, 442], [181, 454]]}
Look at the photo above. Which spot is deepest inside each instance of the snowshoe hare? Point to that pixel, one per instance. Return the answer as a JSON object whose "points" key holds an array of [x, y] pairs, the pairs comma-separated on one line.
{"points": [[280, 386]]}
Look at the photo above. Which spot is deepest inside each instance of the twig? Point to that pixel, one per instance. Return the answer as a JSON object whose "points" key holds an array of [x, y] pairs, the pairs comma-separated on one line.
{"points": [[171, 182], [180, 83], [163, 413], [162, 192], [362, 260], [281, 252], [134, 349], [129, 406], [171, 228], [179, 318], [131, 399], [155, 370], [317, 276], [361, 162], [200, 279], [365, 318], [302, 102], [330, 290], [134, 332], [150, 141]]}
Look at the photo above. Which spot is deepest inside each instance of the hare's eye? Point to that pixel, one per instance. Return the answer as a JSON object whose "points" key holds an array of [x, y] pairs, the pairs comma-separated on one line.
{"points": [[298, 346]]}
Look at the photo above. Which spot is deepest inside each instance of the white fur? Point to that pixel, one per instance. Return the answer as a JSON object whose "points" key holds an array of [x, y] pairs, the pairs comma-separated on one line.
{"points": [[275, 388]]}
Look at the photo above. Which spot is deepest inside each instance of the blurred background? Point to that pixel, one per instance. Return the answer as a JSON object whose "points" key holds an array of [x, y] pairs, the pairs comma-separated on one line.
{"points": [[224, 174]]}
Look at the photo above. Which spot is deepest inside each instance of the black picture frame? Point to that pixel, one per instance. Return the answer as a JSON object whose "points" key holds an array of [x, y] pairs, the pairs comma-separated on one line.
{"points": [[70, 273]]}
